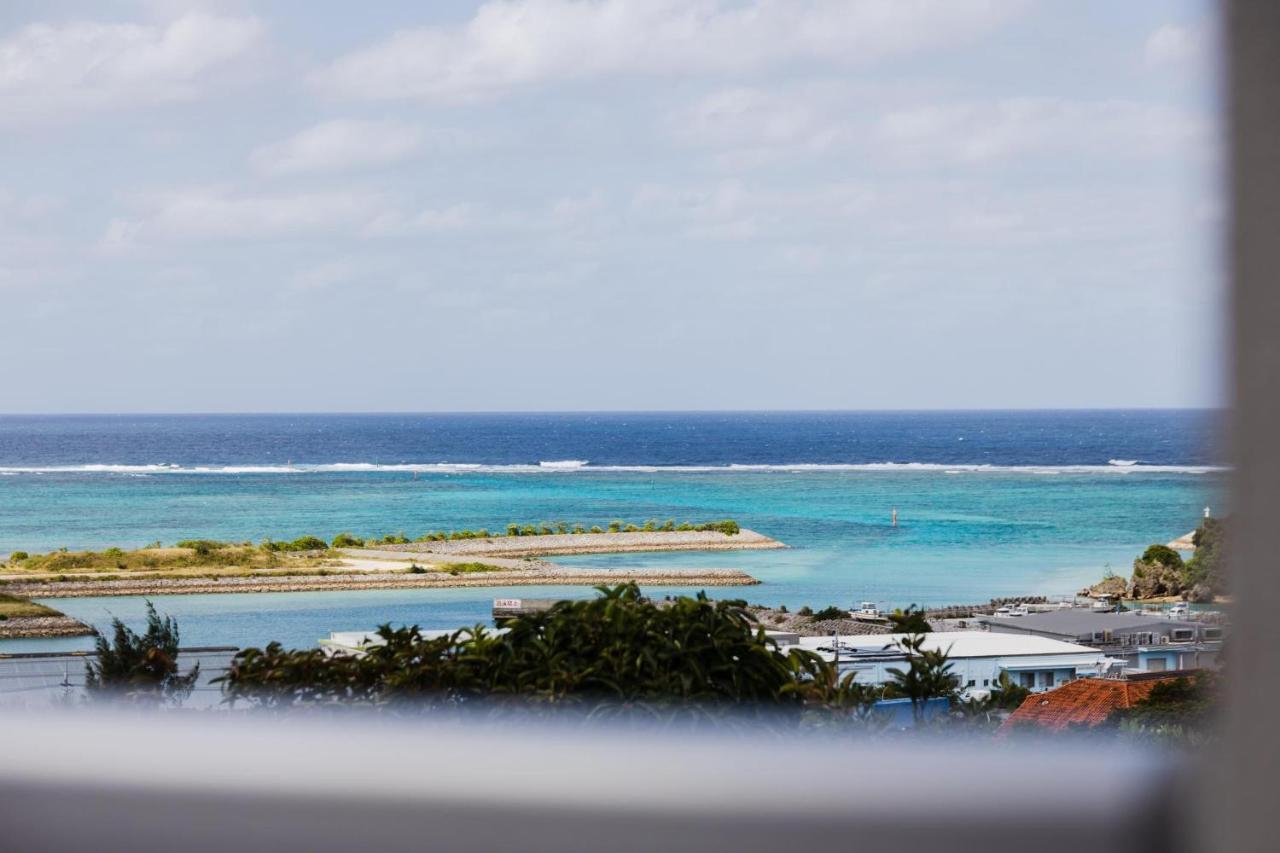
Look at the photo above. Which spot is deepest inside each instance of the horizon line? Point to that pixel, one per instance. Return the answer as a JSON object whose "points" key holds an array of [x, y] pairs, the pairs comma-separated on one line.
{"points": [[727, 411]]}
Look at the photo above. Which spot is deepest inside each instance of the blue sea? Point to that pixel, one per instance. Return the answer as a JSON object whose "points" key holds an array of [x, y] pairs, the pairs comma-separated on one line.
{"points": [[989, 503]]}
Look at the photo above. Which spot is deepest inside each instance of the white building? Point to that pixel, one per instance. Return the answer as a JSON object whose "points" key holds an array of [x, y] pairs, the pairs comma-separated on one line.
{"points": [[977, 657]]}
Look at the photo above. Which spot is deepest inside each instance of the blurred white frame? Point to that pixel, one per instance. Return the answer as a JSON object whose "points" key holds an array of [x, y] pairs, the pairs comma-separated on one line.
{"points": [[228, 784]]}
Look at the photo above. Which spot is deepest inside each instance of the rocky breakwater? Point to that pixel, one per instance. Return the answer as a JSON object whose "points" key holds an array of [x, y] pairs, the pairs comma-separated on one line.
{"points": [[373, 580]]}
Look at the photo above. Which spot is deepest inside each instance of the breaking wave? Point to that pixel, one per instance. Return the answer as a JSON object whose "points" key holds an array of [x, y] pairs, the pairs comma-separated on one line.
{"points": [[1114, 466]]}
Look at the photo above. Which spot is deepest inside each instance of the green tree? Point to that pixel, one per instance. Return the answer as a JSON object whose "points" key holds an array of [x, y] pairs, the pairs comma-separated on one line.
{"points": [[1006, 695], [139, 667], [1162, 555], [617, 653], [1181, 712], [909, 621], [928, 674], [1203, 572]]}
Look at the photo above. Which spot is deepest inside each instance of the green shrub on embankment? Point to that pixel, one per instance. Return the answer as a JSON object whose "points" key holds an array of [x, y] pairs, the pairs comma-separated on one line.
{"points": [[727, 526], [302, 543], [187, 554], [12, 607]]}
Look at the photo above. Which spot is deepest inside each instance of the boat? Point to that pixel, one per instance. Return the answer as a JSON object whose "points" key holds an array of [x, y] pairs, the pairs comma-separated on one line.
{"points": [[1103, 603], [868, 612]]}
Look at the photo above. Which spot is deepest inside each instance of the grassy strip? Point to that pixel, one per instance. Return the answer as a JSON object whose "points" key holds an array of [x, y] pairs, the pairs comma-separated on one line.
{"points": [[12, 607], [195, 574], [454, 568], [203, 554], [727, 526], [220, 574], [469, 568], [228, 557]]}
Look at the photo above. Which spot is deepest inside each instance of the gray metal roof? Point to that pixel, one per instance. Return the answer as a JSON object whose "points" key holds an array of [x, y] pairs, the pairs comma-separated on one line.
{"points": [[1077, 621]]}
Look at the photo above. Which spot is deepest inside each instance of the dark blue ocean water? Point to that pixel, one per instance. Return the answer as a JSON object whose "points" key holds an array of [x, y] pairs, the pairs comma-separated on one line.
{"points": [[989, 503], [1181, 438]]}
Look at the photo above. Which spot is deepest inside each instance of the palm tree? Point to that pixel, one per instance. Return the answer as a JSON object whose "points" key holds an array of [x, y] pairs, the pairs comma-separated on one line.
{"points": [[927, 676], [909, 621]]}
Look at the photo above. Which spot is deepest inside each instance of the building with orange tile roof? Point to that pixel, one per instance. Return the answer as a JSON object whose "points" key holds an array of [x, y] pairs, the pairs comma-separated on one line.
{"points": [[1086, 702]]}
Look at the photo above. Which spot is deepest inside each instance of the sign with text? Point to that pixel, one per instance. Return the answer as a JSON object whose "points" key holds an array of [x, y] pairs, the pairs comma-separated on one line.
{"points": [[506, 603]]}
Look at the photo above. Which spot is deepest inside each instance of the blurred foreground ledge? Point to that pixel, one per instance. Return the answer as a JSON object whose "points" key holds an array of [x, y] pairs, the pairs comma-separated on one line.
{"points": [[197, 782]]}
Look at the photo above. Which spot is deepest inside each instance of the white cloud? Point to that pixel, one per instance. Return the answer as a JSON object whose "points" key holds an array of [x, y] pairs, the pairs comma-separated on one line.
{"points": [[25, 209], [327, 275], [726, 210], [429, 221], [747, 127], [1174, 45], [733, 210], [338, 145], [562, 215], [525, 42], [51, 70], [979, 132], [201, 214]]}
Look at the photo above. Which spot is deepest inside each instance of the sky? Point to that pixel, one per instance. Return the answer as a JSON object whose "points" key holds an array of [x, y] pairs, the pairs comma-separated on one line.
{"points": [[551, 205]]}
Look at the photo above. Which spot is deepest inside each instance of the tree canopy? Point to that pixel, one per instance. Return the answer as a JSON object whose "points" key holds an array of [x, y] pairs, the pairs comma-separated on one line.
{"points": [[618, 651], [139, 667]]}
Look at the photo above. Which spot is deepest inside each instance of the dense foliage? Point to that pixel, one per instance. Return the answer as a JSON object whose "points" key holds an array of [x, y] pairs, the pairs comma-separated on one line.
{"points": [[1162, 555], [1161, 570], [1205, 569], [139, 667], [302, 543], [927, 675], [1182, 711], [617, 651], [909, 621]]}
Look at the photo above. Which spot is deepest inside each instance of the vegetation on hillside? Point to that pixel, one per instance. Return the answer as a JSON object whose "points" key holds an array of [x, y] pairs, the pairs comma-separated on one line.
{"points": [[1161, 571], [1205, 571]]}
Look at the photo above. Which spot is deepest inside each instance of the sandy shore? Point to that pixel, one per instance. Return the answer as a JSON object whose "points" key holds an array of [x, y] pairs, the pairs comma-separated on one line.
{"points": [[369, 580]]}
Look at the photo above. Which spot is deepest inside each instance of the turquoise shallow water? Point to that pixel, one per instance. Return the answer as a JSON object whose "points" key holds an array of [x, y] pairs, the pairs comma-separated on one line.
{"points": [[962, 537]]}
